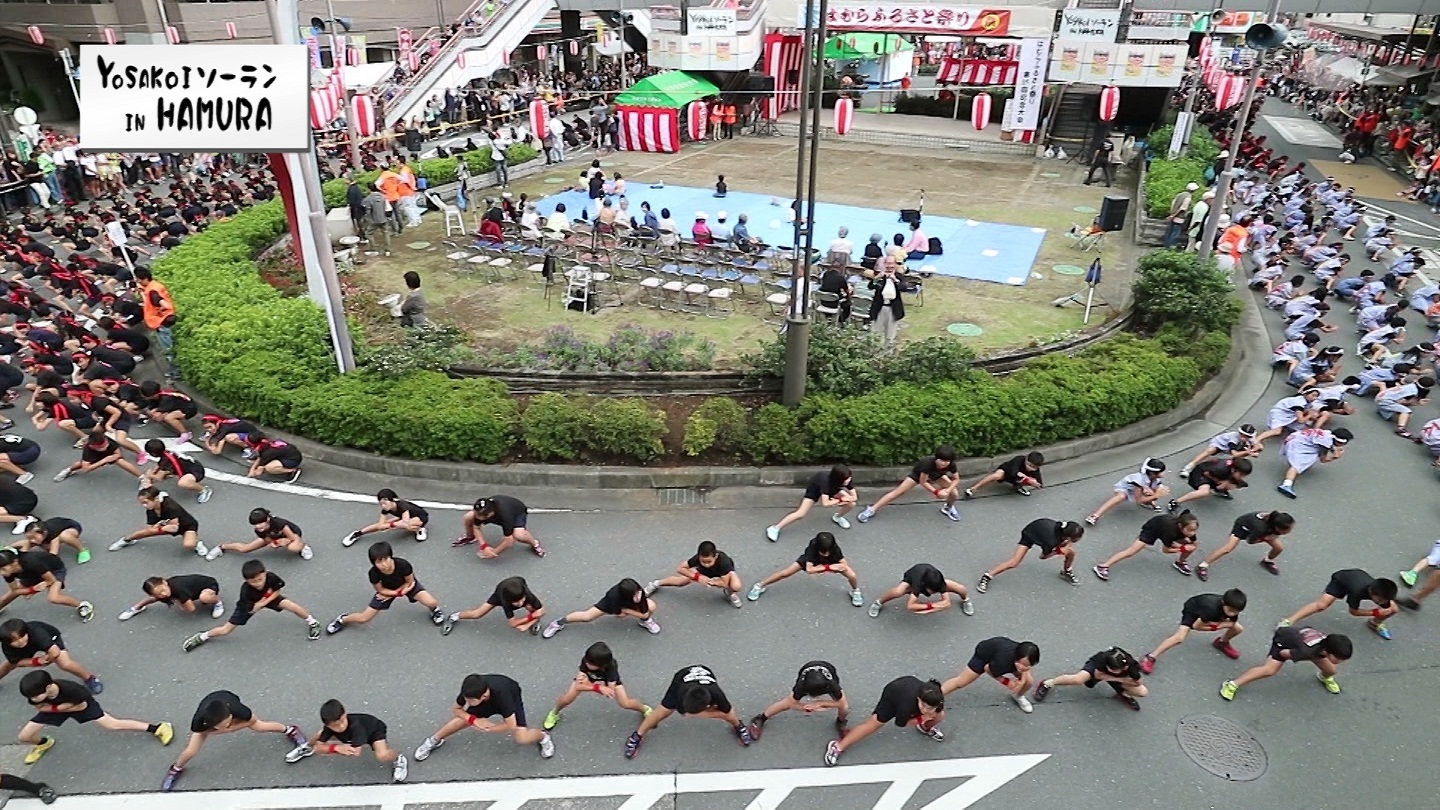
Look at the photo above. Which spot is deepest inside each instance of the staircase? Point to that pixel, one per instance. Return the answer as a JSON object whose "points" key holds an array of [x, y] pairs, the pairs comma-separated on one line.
{"points": [[484, 52], [1073, 121]]}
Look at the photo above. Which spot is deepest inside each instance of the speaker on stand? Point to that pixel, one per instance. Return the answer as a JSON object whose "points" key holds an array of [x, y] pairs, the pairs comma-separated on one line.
{"points": [[1113, 209]]}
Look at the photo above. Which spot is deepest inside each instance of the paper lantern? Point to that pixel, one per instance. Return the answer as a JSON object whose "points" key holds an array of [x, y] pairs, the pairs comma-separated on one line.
{"points": [[980, 111], [845, 116], [230, 30], [109, 36], [574, 48], [460, 60], [537, 117], [363, 112], [540, 52], [1109, 103], [696, 117], [322, 108], [412, 61], [36, 35], [505, 58], [173, 34], [352, 56]]}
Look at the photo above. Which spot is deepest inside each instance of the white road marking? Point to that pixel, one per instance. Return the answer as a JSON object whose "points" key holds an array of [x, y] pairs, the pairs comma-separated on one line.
{"points": [[983, 776], [192, 451], [1303, 131]]}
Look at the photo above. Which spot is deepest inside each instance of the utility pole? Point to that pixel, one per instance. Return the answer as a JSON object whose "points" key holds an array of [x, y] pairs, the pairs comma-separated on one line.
{"points": [[324, 284], [1187, 117], [1242, 121], [812, 86], [337, 57]]}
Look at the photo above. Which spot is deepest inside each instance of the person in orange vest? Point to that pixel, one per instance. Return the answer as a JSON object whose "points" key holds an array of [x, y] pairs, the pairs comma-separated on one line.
{"points": [[392, 185], [158, 309], [717, 117], [731, 115]]}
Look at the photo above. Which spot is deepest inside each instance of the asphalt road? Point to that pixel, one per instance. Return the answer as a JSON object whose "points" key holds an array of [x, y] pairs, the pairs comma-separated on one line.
{"points": [[1369, 510]]}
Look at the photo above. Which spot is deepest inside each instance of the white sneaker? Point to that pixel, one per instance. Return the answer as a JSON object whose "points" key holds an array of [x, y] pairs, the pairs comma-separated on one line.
{"points": [[22, 525], [25, 479], [212, 555], [298, 753], [204, 496], [1023, 702], [651, 626], [402, 768], [651, 587], [131, 612], [422, 535], [350, 539], [839, 520], [306, 553], [547, 747], [121, 543], [423, 752], [772, 533], [734, 599], [62, 475]]}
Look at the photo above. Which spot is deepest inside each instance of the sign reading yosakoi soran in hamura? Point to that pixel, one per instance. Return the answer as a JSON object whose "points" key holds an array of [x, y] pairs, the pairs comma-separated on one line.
{"points": [[919, 18], [195, 98]]}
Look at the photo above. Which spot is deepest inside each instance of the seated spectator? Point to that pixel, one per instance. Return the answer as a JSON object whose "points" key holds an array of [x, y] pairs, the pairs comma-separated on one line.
{"points": [[700, 231], [558, 221], [840, 248], [918, 246], [720, 231]]}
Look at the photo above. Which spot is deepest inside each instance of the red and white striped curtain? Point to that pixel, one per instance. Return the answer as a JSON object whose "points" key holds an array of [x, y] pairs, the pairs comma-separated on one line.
{"points": [[649, 129], [363, 109], [784, 56], [978, 72]]}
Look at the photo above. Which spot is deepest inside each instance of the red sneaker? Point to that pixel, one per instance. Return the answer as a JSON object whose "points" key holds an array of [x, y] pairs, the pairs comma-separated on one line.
{"points": [[1225, 647], [1147, 664]]}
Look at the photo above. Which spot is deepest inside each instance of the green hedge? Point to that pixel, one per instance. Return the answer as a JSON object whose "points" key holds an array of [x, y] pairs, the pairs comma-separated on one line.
{"points": [[438, 170], [1165, 177], [267, 358]]}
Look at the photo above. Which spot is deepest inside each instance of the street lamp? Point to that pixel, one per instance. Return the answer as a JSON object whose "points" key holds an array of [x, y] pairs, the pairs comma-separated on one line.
{"points": [[812, 87]]}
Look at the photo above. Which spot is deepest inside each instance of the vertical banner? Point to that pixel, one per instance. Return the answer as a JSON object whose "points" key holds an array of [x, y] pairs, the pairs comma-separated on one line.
{"points": [[404, 43], [1030, 81], [313, 44]]}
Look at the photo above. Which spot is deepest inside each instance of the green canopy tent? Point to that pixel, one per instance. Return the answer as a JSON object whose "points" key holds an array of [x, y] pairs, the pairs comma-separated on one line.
{"points": [[883, 59], [649, 112]]}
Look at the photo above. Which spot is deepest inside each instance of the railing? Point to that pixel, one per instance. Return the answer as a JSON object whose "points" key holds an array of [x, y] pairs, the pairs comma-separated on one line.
{"points": [[394, 91]]}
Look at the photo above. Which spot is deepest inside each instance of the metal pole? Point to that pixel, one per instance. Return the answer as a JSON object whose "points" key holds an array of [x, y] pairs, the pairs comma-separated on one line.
{"points": [[797, 321], [439, 14], [352, 128], [324, 284], [1242, 121], [70, 74], [165, 20], [817, 106], [624, 73], [1187, 118]]}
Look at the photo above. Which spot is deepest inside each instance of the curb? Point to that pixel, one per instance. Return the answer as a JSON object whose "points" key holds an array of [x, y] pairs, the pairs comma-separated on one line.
{"points": [[1221, 388]]}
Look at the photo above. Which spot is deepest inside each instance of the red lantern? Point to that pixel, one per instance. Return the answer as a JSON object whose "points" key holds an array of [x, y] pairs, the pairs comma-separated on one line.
{"points": [[36, 35], [696, 117], [1109, 103], [412, 61], [980, 111], [322, 108], [230, 30], [364, 114], [173, 34], [844, 116], [505, 58], [109, 36], [537, 118], [540, 52]]}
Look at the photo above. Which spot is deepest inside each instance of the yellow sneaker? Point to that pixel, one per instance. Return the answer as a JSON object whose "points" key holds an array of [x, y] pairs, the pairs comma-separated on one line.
{"points": [[34, 755], [165, 733], [1329, 682]]}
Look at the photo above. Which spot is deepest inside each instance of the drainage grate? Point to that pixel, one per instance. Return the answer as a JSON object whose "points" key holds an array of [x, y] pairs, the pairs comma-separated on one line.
{"points": [[680, 496], [1221, 747]]}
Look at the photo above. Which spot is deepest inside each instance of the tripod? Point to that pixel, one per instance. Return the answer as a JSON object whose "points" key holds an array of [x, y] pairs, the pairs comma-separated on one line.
{"points": [[1092, 280]]}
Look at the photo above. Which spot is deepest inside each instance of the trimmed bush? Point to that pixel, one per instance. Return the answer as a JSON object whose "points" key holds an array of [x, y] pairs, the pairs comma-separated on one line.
{"points": [[626, 427], [554, 426], [1179, 289], [775, 436], [848, 362], [719, 423], [1165, 178]]}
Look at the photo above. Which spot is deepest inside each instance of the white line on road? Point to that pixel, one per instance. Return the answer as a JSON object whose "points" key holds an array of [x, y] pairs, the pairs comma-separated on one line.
{"points": [[983, 776]]}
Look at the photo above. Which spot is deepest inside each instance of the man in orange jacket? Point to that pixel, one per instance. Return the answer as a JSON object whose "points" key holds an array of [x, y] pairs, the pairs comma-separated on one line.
{"points": [[159, 311]]}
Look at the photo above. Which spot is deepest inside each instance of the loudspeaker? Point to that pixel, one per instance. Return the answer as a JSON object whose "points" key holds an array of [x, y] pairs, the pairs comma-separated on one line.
{"points": [[1112, 212], [910, 215], [1265, 36], [759, 83]]}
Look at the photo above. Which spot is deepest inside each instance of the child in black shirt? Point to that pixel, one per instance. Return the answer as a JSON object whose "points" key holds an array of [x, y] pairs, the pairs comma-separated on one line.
{"points": [[260, 591], [392, 577], [344, 734]]}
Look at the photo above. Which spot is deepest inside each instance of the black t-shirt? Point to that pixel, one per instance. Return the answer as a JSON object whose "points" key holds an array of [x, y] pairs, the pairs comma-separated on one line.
{"points": [[1303, 643], [531, 603], [1163, 528], [900, 700], [360, 729], [279, 451], [616, 600], [238, 711], [403, 508], [999, 654], [929, 467], [1355, 582], [17, 499], [508, 510], [1207, 607], [688, 677], [10, 443], [177, 465], [188, 587], [502, 699], [1042, 533], [723, 565], [1217, 470], [916, 575], [250, 595], [40, 637], [34, 565], [275, 528], [92, 454], [54, 527], [170, 510], [813, 555], [1250, 527], [1015, 468], [67, 691], [608, 674], [825, 668], [821, 484], [395, 579]]}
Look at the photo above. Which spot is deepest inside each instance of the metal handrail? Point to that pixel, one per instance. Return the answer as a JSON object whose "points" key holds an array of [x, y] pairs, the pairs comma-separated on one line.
{"points": [[403, 89]]}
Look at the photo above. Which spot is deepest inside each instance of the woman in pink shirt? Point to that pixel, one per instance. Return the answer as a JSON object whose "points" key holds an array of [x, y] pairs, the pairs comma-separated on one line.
{"points": [[918, 246], [700, 232]]}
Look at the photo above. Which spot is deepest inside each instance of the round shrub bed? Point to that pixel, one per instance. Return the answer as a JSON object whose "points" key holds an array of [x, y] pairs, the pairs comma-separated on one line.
{"points": [[267, 357]]}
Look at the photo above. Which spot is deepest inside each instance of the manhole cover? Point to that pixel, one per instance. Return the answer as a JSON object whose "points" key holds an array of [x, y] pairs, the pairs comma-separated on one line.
{"points": [[418, 245], [1069, 269], [1221, 747], [554, 181], [964, 330], [1085, 209]]}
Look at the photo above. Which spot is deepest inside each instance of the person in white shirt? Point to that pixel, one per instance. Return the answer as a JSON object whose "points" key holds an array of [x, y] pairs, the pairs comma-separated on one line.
{"points": [[530, 222], [841, 248], [720, 229], [669, 231], [558, 221], [555, 143]]}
